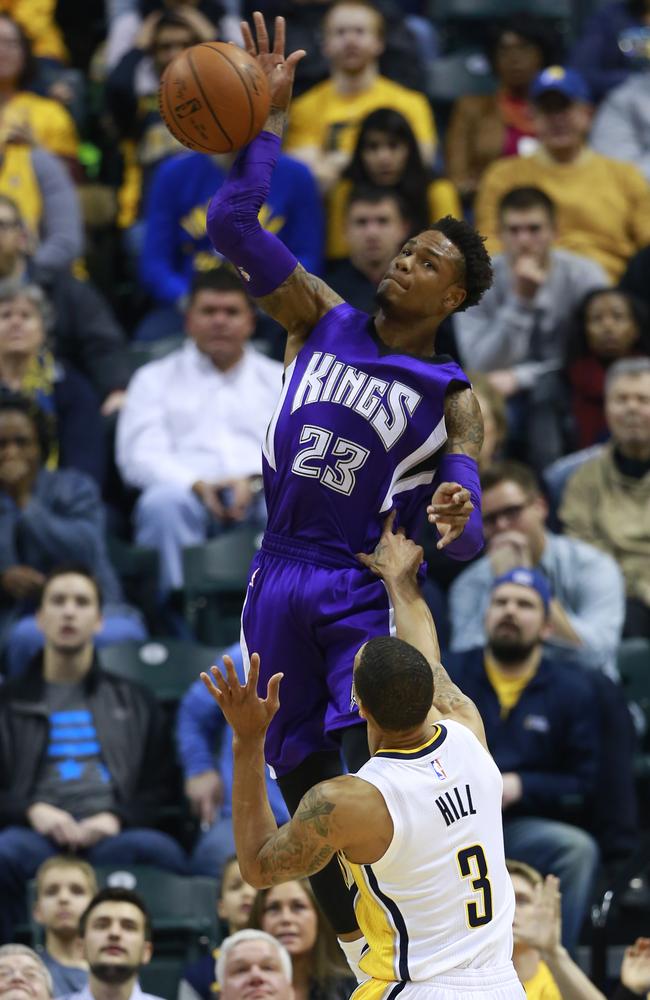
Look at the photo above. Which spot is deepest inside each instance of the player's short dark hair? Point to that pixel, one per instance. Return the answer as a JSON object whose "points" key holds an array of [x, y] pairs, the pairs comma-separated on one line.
{"points": [[395, 683], [65, 569], [374, 195], [218, 279], [477, 266], [116, 894], [510, 471], [520, 199], [15, 402]]}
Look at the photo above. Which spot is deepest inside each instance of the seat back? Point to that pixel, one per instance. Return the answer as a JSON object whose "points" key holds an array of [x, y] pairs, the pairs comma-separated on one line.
{"points": [[166, 666]]}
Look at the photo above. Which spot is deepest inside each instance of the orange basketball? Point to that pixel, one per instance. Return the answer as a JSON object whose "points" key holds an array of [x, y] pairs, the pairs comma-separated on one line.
{"points": [[214, 98]]}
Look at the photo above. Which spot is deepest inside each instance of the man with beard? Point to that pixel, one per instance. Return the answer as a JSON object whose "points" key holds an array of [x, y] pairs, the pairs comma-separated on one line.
{"points": [[116, 933], [541, 722]]}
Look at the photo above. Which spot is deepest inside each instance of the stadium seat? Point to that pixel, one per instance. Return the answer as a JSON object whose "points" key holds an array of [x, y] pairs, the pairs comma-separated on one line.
{"points": [[142, 351], [634, 668], [138, 570], [216, 575], [463, 72], [166, 666], [161, 977], [486, 10]]}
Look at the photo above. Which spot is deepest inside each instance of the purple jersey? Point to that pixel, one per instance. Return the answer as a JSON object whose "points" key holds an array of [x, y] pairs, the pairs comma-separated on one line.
{"points": [[358, 430]]}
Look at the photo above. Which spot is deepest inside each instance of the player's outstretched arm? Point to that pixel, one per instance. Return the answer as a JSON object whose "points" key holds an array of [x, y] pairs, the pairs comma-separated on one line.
{"points": [[332, 816], [396, 560], [291, 295]]}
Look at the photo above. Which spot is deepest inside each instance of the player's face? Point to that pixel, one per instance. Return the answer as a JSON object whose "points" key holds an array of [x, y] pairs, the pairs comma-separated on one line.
{"points": [[254, 972], [515, 618], [627, 409], [384, 157], [375, 231], [220, 323], [423, 280], [236, 899], [63, 895], [527, 232], [290, 917], [69, 616], [507, 507], [562, 125], [517, 61], [610, 327], [352, 38]]}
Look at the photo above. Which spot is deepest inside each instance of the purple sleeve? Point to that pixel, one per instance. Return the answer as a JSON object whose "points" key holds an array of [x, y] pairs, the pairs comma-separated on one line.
{"points": [[464, 470], [233, 227]]}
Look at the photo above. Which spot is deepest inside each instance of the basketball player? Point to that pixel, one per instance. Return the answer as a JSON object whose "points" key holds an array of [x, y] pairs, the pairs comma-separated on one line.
{"points": [[367, 421], [418, 830]]}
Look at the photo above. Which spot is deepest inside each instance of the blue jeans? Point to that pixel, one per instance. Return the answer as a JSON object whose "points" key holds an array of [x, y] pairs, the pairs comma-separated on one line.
{"points": [[22, 850], [213, 848], [24, 639], [555, 848]]}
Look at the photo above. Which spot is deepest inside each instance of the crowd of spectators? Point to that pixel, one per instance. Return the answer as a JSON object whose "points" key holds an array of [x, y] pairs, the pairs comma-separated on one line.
{"points": [[105, 263]]}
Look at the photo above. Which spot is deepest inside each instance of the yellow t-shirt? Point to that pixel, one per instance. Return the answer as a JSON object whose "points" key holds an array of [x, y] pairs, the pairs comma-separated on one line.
{"points": [[542, 986], [507, 689], [18, 181], [37, 20], [442, 197], [51, 124], [603, 205], [321, 117]]}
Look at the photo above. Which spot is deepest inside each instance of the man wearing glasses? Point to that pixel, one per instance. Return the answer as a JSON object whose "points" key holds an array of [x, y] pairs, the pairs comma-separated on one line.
{"points": [[587, 609]]}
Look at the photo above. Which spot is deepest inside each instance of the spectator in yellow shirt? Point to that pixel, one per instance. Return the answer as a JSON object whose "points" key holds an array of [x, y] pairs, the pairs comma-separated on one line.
{"points": [[387, 156], [603, 205], [324, 121], [25, 117], [545, 968]]}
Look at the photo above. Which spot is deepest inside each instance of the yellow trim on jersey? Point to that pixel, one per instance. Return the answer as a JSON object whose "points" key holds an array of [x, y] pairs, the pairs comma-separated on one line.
{"points": [[381, 960], [373, 989], [436, 733]]}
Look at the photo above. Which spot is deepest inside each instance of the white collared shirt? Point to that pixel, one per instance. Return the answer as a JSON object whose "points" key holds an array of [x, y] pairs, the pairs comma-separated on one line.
{"points": [[85, 994], [184, 419]]}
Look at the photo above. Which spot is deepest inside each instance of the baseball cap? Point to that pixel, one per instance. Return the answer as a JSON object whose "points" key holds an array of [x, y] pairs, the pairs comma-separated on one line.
{"points": [[527, 577], [561, 80]]}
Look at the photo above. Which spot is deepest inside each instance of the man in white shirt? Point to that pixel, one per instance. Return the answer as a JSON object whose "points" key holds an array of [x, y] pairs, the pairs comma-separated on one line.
{"points": [[190, 433], [116, 933]]}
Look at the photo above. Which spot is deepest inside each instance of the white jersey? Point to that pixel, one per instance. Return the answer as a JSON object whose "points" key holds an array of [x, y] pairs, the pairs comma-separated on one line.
{"points": [[440, 900]]}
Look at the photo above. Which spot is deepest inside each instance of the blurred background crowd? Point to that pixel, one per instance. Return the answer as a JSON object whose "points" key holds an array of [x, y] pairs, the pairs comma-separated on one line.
{"points": [[137, 380]]}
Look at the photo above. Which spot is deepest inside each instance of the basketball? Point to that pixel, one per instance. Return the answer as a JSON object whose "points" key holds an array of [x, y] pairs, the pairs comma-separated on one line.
{"points": [[214, 98]]}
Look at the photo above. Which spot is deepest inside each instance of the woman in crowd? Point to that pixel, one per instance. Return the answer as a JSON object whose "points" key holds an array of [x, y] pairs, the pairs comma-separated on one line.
{"points": [[484, 127], [27, 366], [233, 909], [495, 420], [291, 914], [610, 324], [387, 155]]}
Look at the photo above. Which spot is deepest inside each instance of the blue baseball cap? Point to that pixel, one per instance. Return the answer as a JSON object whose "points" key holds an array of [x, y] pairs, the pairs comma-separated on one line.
{"points": [[560, 80], [526, 577]]}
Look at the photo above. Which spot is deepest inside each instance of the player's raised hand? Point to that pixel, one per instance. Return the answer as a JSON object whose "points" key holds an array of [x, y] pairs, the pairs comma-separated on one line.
{"points": [[635, 970], [396, 557], [449, 510], [279, 70], [247, 714]]}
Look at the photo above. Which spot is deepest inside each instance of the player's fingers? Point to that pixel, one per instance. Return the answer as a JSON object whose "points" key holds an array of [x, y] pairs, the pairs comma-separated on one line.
{"points": [[451, 534], [279, 36], [249, 41], [253, 673], [212, 688], [219, 682], [292, 61], [231, 673], [364, 558], [389, 521], [261, 32], [273, 692]]}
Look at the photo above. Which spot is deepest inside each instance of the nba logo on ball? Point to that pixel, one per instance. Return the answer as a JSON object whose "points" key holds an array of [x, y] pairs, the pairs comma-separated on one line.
{"points": [[187, 108]]}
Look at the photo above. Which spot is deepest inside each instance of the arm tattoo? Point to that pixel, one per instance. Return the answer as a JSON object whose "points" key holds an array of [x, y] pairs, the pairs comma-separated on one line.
{"points": [[300, 301], [276, 122], [464, 423], [447, 696], [303, 846]]}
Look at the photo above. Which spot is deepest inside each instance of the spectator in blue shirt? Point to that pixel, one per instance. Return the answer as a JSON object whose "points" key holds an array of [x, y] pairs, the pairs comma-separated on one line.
{"points": [[204, 742], [176, 244], [604, 50]]}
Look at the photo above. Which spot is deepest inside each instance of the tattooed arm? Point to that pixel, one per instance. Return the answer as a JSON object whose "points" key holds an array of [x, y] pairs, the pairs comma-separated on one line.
{"points": [[464, 423], [396, 560], [297, 305]]}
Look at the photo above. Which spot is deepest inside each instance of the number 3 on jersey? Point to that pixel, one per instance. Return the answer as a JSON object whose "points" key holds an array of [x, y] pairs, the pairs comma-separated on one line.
{"points": [[334, 467], [473, 866]]}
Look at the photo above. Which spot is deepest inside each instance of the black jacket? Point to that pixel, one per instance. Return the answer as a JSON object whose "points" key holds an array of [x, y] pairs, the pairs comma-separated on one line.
{"points": [[130, 730]]}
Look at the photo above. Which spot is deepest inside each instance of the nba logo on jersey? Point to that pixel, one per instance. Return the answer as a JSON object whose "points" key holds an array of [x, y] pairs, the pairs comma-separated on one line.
{"points": [[438, 769]]}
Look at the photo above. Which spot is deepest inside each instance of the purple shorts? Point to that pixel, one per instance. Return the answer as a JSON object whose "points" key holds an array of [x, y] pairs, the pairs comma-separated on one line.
{"points": [[308, 619]]}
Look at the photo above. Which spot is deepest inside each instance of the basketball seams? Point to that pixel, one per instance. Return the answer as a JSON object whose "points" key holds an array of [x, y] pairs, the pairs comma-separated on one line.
{"points": [[171, 122], [190, 63], [244, 83]]}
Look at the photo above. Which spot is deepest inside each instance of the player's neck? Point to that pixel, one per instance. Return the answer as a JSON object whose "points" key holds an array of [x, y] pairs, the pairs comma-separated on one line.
{"points": [[355, 83], [410, 739], [416, 337]]}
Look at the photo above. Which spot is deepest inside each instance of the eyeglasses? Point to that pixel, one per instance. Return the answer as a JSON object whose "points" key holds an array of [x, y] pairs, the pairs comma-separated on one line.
{"points": [[31, 973], [510, 513]]}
